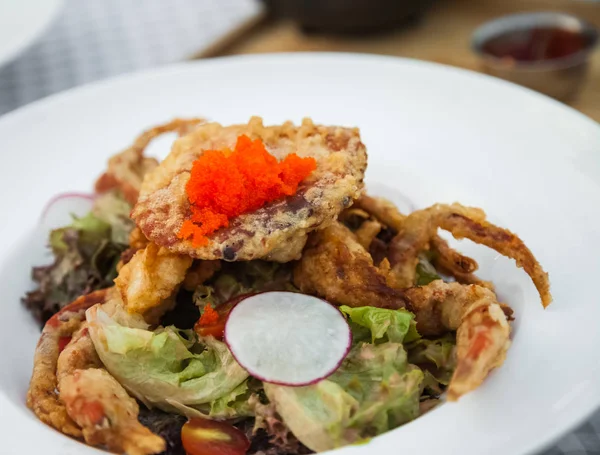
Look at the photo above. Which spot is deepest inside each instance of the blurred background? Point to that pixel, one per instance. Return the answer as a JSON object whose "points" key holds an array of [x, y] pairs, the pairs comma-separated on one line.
{"points": [[47, 46]]}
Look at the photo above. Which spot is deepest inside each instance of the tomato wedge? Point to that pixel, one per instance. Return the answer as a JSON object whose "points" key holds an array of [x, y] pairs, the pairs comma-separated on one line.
{"points": [[217, 328], [209, 437]]}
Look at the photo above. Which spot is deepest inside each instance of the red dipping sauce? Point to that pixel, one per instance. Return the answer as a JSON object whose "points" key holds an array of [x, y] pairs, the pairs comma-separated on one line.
{"points": [[536, 44]]}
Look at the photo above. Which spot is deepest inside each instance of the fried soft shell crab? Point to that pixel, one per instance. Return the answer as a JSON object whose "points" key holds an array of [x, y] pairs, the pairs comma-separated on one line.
{"points": [[109, 359]]}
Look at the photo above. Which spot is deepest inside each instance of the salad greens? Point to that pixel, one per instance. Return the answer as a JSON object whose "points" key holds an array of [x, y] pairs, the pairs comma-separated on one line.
{"points": [[85, 256], [390, 376], [438, 357], [172, 369], [383, 324], [244, 278], [378, 387], [374, 390]]}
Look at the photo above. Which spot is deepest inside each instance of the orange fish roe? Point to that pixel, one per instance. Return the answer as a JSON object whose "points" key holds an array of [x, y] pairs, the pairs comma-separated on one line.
{"points": [[209, 316], [224, 184]]}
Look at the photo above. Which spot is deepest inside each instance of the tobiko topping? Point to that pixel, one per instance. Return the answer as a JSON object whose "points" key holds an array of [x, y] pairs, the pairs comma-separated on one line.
{"points": [[224, 184]]}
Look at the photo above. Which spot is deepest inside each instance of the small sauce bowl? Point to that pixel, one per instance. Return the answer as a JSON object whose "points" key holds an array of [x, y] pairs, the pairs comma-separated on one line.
{"points": [[547, 52]]}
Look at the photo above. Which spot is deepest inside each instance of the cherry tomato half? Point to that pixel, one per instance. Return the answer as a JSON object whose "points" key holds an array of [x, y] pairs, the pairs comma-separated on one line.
{"points": [[209, 437]]}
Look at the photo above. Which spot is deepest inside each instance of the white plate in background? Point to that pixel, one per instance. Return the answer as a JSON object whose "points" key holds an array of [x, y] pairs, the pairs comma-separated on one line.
{"points": [[433, 133], [21, 22]]}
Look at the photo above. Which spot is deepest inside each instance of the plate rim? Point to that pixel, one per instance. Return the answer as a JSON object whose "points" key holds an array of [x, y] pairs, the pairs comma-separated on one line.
{"points": [[56, 99], [160, 71]]}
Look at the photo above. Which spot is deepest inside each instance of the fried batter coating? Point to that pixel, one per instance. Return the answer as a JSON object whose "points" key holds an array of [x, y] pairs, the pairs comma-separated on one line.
{"points": [[79, 354], [42, 398], [483, 332], [127, 169], [367, 231], [446, 258], [462, 222], [150, 278], [277, 231], [99, 404], [137, 239], [200, 272], [382, 209], [336, 267], [451, 259]]}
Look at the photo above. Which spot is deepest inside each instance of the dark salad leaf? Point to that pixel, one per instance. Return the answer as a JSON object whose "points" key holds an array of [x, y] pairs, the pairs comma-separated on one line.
{"points": [[85, 254], [166, 425], [244, 278], [435, 357]]}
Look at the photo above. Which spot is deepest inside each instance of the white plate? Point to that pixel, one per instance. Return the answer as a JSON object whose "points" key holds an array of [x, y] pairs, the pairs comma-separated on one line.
{"points": [[433, 134], [21, 22]]}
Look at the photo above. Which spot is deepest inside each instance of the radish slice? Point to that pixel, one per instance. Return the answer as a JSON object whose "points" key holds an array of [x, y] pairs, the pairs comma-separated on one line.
{"points": [[61, 208], [287, 338]]}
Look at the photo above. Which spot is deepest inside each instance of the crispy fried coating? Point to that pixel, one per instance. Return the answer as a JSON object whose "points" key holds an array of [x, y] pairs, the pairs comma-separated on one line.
{"points": [[451, 259], [336, 267], [148, 281], [382, 209], [42, 398], [127, 169], [483, 332], [446, 258], [277, 231], [105, 412], [137, 239], [505, 243], [367, 231], [200, 272], [79, 354], [462, 222]]}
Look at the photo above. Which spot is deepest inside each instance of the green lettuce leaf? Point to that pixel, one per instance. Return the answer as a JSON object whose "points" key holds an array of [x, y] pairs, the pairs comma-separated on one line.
{"points": [[85, 256], [374, 390], [170, 368], [317, 415], [426, 272], [383, 324], [238, 402], [244, 278], [111, 208], [438, 357]]}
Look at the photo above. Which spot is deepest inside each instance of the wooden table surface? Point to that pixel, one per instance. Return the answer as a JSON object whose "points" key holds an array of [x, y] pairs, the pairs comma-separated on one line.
{"points": [[442, 36]]}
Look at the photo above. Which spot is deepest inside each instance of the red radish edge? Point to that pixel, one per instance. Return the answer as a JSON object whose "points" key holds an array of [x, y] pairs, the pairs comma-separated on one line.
{"points": [[302, 384], [61, 196]]}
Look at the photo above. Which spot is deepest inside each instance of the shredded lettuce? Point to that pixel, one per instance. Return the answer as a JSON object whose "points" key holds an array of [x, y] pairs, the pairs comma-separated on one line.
{"points": [[171, 369], [234, 404], [383, 324], [436, 356], [111, 208], [377, 388], [244, 278], [85, 256], [374, 390]]}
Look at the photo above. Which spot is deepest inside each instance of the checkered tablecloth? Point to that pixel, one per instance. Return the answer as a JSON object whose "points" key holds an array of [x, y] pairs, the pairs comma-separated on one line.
{"points": [[583, 441], [95, 39]]}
